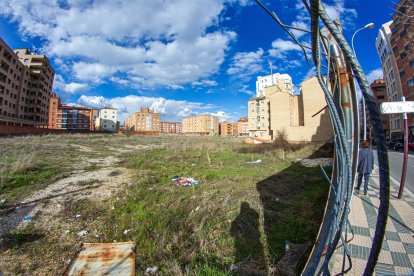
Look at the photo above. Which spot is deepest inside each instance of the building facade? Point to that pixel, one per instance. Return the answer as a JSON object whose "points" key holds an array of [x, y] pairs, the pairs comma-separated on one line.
{"points": [[107, 120], [204, 124], [73, 118], [26, 81], [284, 81], [171, 127], [378, 88], [243, 126], [228, 129], [296, 117], [391, 77], [402, 45], [144, 120]]}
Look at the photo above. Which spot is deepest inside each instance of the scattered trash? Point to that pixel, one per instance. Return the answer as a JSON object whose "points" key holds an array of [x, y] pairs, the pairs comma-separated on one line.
{"points": [[2, 201], [255, 162], [184, 181], [113, 208], [126, 231], [82, 233], [193, 165], [27, 217], [67, 231], [197, 208], [151, 270], [77, 216]]}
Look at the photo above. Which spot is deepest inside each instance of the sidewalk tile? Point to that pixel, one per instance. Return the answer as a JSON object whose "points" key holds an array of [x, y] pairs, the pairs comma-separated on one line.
{"points": [[384, 269], [406, 271], [411, 257], [409, 248], [362, 241], [392, 236], [400, 259], [385, 257], [396, 246]]}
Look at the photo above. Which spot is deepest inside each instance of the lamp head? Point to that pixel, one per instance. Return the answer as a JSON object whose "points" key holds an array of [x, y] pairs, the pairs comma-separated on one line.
{"points": [[369, 26]]}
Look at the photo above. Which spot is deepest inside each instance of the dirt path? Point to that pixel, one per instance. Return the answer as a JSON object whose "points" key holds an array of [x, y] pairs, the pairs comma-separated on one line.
{"points": [[45, 205]]}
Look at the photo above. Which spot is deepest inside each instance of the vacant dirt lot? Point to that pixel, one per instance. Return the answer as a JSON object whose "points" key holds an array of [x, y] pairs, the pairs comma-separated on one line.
{"points": [[101, 188]]}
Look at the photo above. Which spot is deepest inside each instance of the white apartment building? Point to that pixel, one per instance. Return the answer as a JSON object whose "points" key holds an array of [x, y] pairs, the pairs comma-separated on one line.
{"points": [[274, 79], [107, 119], [391, 76]]}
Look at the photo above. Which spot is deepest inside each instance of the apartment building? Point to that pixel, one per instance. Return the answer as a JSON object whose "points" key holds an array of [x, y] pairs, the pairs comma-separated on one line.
{"points": [[73, 118], [171, 127], [243, 126], [204, 124], [107, 120], [296, 116], [26, 81], [144, 120], [402, 45], [283, 81], [228, 129], [378, 88], [391, 77]]}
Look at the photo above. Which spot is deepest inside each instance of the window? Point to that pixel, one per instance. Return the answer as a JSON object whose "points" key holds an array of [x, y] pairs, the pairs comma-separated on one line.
{"points": [[410, 82], [403, 55], [412, 63], [402, 74]]}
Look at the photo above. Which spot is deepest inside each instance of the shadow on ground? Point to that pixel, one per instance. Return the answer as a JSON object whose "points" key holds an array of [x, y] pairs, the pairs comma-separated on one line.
{"points": [[293, 203]]}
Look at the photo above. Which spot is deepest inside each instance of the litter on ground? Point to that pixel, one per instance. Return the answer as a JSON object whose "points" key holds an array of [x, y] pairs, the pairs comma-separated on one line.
{"points": [[255, 162], [184, 181], [82, 233]]}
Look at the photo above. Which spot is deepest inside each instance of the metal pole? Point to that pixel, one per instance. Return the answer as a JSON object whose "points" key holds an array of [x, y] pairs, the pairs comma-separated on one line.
{"points": [[364, 124], [404, 168]]}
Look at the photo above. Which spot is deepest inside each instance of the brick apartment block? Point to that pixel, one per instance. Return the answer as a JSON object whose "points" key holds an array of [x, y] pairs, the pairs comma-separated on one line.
{"points": [[26, 81]]}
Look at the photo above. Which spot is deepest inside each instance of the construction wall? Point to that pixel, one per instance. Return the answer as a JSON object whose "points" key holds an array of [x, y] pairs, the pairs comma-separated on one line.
{"points": [[7, 130]]}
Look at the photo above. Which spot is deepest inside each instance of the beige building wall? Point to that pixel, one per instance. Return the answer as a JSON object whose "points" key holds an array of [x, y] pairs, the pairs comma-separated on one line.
{"points": [[170, 127], [259, 118], [315, 127], [281, 112], [144, 120], [243, 128], [204, 124], [228, 128]]}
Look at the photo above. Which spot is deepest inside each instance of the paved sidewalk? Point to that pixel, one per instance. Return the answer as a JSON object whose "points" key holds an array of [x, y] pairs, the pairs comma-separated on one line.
{"points": [[397, 254]]}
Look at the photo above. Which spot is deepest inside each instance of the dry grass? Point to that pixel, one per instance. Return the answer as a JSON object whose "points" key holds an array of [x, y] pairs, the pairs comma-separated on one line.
{"points": [[182, 230]]}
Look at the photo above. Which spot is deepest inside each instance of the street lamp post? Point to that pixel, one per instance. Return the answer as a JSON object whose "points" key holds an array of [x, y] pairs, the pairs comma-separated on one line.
{"points": [[368, 26]]}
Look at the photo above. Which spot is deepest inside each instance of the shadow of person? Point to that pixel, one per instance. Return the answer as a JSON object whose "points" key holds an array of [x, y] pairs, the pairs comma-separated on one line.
{"points": [[293, 202], [249, 255]]}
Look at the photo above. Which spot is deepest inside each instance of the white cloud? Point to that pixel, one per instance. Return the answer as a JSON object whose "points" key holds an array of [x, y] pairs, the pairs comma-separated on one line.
{"points": [[223, 116], [61, 86], [245, 64], [302, 25], [245, 90], [374, 74], [336, 9], [205, 83], [281, 47], [74, 87], [149, 43], [170, 110]]}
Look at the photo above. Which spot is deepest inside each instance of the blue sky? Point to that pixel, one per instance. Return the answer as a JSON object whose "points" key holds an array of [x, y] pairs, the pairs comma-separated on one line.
{"points": [[180, 57]]}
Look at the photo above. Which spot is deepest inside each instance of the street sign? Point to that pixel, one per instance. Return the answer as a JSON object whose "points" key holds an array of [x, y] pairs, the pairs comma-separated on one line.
{"points": [[397, 107]]}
